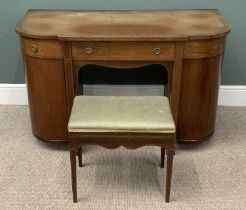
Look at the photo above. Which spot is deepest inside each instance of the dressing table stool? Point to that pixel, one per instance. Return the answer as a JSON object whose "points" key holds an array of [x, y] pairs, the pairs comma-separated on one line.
{"points": [[114, 121]]}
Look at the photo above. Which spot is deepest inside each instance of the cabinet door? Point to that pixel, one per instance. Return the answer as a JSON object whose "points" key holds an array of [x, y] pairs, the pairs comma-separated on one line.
{"points": [[47, 98], [198, 99]]}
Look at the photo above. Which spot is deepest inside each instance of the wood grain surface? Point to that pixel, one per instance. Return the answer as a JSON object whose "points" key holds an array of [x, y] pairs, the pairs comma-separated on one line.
{"points": [[162, 25], [57, 44]]}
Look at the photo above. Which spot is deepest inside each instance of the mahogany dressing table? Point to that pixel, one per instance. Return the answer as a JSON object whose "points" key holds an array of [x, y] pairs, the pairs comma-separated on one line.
{"points": [[190, 44]]}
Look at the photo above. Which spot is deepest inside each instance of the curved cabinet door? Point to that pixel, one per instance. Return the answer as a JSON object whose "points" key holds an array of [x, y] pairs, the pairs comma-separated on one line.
{"points": [[198, 99], [47, 98]]}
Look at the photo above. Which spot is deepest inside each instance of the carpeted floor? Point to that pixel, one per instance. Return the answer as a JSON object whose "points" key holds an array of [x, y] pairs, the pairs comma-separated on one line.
{"points": [[36, 175]]}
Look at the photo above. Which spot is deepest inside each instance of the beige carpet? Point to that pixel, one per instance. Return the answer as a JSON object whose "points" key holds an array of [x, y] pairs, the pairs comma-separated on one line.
{"points": [[36, 175]]}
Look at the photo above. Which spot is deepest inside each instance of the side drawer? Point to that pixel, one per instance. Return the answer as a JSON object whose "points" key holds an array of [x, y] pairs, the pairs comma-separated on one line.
{"points": [[42, 48], [123, 51], [204, 48]]}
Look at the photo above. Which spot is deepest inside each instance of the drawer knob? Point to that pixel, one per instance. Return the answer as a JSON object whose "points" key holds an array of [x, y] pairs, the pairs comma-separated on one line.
{"points": [[34, 48], [88, 50], [157, 51]]}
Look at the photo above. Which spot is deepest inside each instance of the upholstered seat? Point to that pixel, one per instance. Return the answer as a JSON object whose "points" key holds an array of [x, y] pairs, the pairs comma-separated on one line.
{"points": [[129, 121], [149, 114]]}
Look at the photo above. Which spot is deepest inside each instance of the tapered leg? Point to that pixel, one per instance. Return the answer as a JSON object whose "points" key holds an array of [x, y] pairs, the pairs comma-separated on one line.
{"points": [[80, 157], [170, 154], [162, 157], [73, 173]]}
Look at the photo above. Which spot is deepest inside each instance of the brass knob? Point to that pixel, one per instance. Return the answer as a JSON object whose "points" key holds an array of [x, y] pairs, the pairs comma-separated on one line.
{"points": [[34, 48], [88, 50], [157, 51]]}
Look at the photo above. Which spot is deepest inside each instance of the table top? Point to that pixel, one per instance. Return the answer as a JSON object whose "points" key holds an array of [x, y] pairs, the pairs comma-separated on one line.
{"points": [[149, 25]]}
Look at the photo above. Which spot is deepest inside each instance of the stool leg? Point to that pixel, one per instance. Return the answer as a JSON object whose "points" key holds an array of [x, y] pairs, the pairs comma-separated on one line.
{"points": [[162, 157], [80, 156], [170, 154], [73, 173]]}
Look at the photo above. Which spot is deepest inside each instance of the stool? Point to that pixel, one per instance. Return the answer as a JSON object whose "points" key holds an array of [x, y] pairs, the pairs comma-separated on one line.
{"points": [[129, 121]]}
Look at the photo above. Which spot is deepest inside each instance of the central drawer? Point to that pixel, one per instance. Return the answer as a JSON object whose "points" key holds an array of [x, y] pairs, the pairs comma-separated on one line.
{"points": [[123, 51]]}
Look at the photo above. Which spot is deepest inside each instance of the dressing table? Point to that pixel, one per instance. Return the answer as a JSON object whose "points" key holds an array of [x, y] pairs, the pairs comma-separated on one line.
{"points": [[190, 44]]}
